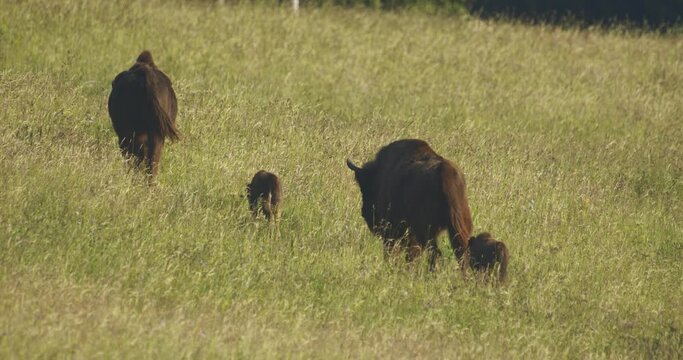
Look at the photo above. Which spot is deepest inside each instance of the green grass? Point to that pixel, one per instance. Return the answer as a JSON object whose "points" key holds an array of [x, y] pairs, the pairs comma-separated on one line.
{"points": [[571, 142]]}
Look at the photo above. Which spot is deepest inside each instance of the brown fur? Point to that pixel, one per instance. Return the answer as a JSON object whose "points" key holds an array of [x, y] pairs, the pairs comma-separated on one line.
{"points": [[410, 195], [485, 252], [143, 107], [264, 194], [145, 57]]}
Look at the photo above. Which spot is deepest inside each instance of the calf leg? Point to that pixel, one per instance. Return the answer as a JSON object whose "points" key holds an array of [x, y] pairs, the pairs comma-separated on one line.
{"points": [[253, 205], [274, 208], [267, 207]]}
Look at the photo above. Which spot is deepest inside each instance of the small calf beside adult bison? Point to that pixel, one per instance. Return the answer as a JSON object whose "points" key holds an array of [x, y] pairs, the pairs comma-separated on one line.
{"points": [[410, 194], [486, 252]]}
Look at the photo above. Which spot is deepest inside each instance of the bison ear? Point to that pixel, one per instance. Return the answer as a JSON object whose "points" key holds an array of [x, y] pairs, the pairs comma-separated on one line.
{"points": [[352, 166]]}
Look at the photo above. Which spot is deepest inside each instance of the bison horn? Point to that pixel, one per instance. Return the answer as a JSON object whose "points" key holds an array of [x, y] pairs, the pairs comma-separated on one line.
{"points": [[351, 165]]}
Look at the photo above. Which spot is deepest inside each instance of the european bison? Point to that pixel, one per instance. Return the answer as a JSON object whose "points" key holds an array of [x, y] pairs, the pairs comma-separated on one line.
{"points": [[485, 252], [143, 108], [265, 194], [410, 195]]}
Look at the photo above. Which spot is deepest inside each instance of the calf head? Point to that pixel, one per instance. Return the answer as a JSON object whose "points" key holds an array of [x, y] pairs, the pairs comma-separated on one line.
{"points": [[485, 252]]}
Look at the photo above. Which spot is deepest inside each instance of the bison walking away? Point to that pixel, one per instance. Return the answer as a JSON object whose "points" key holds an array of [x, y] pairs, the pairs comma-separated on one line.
{"points": [[143, 107], [485, 252], [265, 194], [410, 195]]}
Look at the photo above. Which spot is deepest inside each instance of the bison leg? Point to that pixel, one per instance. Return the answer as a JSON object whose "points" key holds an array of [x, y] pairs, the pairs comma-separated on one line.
{"points": [[459, 246], [132, 150], [253, 206], [414, 248], [267, 207], [274, 207], [254, 211], [138, 152], [154, 146], [125, 146], [434, 253], [388, 247]]}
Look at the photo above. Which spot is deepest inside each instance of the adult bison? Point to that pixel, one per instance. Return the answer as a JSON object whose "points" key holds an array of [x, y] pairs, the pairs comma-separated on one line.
{"points": [[410, 195], [143, 108]]}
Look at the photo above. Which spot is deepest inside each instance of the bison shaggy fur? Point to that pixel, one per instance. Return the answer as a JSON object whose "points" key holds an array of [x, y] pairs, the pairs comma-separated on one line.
{"points": [[410, 194]]}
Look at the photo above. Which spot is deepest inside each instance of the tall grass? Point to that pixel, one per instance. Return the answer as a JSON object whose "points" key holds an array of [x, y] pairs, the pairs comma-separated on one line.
{"points": [[571, 142]]}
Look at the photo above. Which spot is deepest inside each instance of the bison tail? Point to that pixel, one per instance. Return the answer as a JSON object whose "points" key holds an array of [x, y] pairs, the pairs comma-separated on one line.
{"points": [[162, 124], [460, 227], [502, 255]]}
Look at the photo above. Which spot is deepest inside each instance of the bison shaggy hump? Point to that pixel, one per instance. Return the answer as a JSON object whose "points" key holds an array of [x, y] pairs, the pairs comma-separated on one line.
{"points": [[410, 195]]}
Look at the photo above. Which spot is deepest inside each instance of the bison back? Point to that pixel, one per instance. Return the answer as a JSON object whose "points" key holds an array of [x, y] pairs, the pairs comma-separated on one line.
{"points": [[142, 100], [409, 190]]}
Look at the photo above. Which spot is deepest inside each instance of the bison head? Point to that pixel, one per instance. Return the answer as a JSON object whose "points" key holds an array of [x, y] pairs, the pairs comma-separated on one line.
{"points": [[365, 177]]}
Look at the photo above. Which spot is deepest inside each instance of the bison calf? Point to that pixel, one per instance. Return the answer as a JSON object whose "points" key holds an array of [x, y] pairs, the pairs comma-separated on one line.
{"points": [[265, 194], [485, 252]]}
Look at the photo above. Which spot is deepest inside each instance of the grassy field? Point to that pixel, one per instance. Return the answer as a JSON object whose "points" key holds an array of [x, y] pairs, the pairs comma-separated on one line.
{"points": [[571, 142]]}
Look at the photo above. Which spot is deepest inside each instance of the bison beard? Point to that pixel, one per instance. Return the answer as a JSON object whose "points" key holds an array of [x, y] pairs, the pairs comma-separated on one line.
{"points": [[410, 195], [143, 107], [485, 252], [264, 194]]}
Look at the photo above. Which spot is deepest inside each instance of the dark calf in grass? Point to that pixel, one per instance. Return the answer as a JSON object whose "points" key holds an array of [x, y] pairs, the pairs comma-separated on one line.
{"points": [[410, 194], [264, 194], [485, 252]]}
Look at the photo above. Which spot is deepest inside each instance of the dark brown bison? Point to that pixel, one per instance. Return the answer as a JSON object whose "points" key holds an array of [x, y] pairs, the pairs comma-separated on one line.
{"points": [[485, 252], [410, 195], [143, 107], [265, 194]]}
